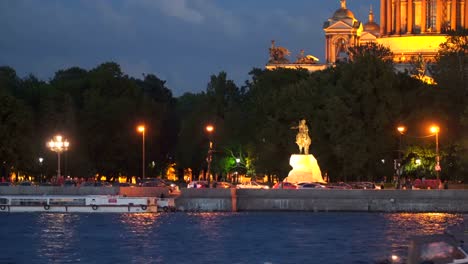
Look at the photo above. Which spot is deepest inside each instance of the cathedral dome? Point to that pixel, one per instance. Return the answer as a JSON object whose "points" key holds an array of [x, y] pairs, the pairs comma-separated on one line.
{"points": [[343, 13], [372, 27]]}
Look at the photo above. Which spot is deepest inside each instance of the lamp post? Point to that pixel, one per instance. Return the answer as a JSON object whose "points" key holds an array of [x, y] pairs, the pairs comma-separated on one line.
{"points": [[40, 168], [209, 129], [435, 130], [401, 130], [58, 144], [237, 170], [141, 129]]}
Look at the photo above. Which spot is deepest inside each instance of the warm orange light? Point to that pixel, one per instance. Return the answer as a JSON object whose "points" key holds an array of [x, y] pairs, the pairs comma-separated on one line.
{"points": [[209, 128], [141, 129], [58, 144], [401, 129], [434, 129]]}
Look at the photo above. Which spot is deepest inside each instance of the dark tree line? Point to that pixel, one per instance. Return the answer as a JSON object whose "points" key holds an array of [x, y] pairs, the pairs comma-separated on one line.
{"points": [[352, 110], [96, 110]]}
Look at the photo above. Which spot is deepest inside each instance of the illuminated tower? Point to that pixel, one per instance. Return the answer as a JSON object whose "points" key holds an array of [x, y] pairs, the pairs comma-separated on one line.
{"points": [[371, 30], [342, 31]]}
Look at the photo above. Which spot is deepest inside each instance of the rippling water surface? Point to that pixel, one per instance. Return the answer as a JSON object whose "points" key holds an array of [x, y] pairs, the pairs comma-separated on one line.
{"points": [[212, 237]]}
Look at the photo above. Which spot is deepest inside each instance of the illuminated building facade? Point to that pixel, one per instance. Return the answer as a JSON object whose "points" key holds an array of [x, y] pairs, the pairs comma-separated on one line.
{"points": [[411, 29]]}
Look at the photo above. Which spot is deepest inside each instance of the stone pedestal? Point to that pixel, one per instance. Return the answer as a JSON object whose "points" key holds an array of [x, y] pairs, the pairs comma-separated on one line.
{"points": [[305, 169]]}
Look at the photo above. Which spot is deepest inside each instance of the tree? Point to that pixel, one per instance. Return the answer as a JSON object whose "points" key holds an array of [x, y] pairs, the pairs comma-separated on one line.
{"points": [[272, 109], [192, 144], [15, 125], [362, 105], [451, 74]]}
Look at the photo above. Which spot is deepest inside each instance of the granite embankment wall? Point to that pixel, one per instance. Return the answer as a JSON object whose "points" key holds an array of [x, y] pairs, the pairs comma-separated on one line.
{"points": [[227, 200], [72, 190], [323, 200]]}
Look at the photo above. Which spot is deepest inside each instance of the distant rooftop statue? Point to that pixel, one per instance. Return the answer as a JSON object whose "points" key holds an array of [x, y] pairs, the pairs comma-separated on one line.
{"points": [[278, 54], [343, 4], [306, 59]]}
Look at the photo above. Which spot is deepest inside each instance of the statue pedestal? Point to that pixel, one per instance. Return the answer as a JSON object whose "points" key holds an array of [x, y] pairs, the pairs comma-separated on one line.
{"points": [[305, 169]]}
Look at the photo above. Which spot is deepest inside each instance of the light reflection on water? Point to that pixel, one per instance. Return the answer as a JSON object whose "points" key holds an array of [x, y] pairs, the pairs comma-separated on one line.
{"points": [[56, 236], [213, 237], [424, 223], [402, 226]]}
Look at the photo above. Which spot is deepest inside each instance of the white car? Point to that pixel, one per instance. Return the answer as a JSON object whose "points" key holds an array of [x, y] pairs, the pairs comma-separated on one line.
{"points": [[198, 184], [252, 185]]}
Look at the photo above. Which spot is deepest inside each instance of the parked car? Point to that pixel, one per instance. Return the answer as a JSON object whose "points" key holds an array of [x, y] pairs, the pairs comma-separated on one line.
{"points": [[198, 184], [152, 182], [363, 185], [252, 185], [69, 183], [224, 185], [284, 185], [173, 186], [26, 183], [122, 184], [312, 185], [95, 184], [6, 184], [340, 186]]}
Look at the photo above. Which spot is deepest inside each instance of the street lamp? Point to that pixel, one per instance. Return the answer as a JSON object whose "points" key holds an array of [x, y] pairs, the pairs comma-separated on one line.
{"points": [[401, 130], [40, 167], [435, 130], [209, 158], [141, 129], [237, 170], [58, 144]]}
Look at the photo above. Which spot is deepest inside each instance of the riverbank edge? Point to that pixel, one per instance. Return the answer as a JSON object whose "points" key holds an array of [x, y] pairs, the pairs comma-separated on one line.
{"points": [[411, 201], [315, 200]]}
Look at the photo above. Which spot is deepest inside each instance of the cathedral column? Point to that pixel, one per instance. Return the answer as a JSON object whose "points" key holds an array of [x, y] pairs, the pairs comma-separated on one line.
{"points": [[439, 17], [383, 25], [327, 44], [398, 17], [389, 17], [423, 16], [409, 17], [453, 15], [466, 13]]}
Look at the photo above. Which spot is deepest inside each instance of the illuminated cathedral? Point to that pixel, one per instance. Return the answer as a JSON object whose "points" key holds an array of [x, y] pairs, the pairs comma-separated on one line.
{"points": [[411, 29]]}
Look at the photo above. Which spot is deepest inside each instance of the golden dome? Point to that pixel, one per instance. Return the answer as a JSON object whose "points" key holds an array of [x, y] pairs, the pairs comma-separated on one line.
{"points": [[371, 27], [343, 13]]}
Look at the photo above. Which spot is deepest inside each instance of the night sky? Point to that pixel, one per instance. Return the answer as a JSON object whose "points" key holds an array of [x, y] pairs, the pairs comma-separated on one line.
{"points": [[181, 41]]}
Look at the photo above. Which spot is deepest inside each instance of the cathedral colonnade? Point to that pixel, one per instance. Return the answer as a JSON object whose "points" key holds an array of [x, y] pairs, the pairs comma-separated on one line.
{"points": [[399, 17]]}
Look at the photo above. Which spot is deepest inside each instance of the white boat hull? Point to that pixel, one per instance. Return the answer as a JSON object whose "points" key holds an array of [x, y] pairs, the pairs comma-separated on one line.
{"points": [[79, 209], [79, 204]]}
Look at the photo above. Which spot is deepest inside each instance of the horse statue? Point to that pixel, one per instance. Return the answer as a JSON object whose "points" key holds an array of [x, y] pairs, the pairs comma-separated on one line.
{"points": [[303, 140], [278, 54]]}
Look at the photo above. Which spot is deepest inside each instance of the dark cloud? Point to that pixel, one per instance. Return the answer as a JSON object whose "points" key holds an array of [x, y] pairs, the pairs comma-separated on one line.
{"points": [[181, 41]]}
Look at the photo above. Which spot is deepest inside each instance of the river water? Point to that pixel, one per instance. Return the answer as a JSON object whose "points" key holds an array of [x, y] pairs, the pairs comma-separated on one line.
{"points": [[253, 237]]}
